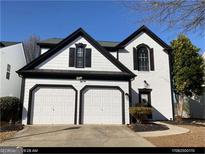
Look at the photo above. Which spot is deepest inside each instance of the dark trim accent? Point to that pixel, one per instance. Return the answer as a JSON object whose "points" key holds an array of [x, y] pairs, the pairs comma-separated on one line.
{"points": [[148, 92], [130, 99], [145, 90], [171, 82], [46, 45], [117, 54], [103, 87], [143, 45], [151, 58], [148, 32], [71, 74], [66, 41], [88, 57], [110, 49], [135, 59], [72, 57], [80, 45], [22, 94], [49, 85]]}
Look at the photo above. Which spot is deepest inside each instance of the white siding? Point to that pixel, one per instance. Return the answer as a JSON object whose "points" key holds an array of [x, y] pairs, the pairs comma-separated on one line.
{"points": [[43, 50], [29, 83], [14, 56], [114, 54], [158, 80], [60, 60]]}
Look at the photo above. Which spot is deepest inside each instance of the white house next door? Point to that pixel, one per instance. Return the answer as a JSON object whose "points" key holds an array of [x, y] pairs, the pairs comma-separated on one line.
{"points": [[53, 105]]}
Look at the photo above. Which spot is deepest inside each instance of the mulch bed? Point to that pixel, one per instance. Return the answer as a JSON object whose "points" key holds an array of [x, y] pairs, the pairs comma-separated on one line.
{"points": [[8, 130], [11, 127], [148, 127]]}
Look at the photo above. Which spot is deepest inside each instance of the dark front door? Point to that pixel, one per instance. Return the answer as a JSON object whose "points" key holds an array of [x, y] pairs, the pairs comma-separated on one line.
{"points": [[145, 98]]}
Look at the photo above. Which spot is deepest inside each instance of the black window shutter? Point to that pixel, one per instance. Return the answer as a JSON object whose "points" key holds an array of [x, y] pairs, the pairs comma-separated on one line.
{"points": [[72, 57], [135, 62], [152, 59], [88, 57]]}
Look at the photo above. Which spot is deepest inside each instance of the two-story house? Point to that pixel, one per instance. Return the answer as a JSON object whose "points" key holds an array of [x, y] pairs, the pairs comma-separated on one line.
{"points": [[78, 80]]}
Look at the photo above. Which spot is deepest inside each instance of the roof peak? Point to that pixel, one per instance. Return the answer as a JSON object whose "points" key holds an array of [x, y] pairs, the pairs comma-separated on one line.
{"points": [[143, 28]]}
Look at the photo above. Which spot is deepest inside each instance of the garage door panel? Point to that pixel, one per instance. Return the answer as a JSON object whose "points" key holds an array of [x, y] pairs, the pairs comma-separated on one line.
{"points": [[53, 105], [64, 112], [91, 107], [102, 106], [41, 114]]}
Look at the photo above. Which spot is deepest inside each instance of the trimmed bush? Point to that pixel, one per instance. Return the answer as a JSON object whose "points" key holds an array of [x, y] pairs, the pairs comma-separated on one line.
{"points": [[140, 113], [10, 108]]}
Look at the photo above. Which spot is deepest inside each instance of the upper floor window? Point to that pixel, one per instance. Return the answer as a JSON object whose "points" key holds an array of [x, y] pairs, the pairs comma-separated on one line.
{"points": [[8, 71], [80, 56], [143, 58]]}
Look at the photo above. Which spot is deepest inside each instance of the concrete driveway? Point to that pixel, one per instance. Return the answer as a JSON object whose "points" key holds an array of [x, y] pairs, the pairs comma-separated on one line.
{"points": [[77, 136]]}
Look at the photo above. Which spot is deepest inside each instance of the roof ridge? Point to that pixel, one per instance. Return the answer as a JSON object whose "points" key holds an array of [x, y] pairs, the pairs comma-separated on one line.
{"points": [[108, 41]]}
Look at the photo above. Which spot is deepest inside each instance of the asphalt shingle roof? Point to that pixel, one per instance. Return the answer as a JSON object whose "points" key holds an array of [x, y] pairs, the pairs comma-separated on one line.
{"points": [[57, 40]]}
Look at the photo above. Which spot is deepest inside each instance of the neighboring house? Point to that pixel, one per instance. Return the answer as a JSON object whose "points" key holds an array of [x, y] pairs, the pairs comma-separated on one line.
{"points": [[12, 58], [197, 103], [78, 80]]}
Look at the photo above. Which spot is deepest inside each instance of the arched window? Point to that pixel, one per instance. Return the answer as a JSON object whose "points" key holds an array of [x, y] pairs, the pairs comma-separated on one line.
{"points": [[143, 59]]}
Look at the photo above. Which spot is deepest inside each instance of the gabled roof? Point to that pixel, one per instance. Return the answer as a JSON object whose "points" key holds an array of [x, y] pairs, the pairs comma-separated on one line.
{"points": [[148, 32], [51, 42], [108, 43], [66, 41]]}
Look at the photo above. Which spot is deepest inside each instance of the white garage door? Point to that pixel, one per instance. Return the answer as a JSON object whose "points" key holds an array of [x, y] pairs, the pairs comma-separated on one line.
{"points": [[102, 106], [51, 105]]}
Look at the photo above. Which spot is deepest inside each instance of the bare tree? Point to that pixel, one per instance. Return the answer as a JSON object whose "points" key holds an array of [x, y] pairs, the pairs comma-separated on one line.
{"points": [[188, 15], [32, 50]]}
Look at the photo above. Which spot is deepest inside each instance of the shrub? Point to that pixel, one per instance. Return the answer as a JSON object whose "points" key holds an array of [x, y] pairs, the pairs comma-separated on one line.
{"points": [[140, 113], [10, 108]]}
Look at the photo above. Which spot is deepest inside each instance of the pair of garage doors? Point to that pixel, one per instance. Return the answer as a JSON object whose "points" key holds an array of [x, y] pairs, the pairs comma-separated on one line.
{"points": [[57, 104]]}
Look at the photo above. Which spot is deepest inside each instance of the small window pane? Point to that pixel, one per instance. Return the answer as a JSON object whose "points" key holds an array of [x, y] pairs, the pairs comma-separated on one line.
{"points": [[144, 99], [80, 63], [8, 68], [7, 75], [80, 52]]}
